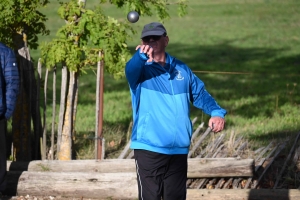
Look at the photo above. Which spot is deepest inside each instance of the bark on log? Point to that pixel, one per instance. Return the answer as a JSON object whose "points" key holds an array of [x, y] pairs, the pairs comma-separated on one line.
{"points": [[117, 186], [72, 184], [248, 194], [197, 167]]}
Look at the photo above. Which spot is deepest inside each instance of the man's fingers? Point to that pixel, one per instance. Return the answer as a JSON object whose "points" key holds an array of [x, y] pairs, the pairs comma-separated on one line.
{"points": [[210, 124], [147, 50], [137, 47], [141, 47], [144, 48], [150, 53], [150, 60], [217, 124]]}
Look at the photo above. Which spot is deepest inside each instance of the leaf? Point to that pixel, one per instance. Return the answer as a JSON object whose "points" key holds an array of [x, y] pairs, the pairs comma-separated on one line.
{"points": [[28, 19], [78, 43]]}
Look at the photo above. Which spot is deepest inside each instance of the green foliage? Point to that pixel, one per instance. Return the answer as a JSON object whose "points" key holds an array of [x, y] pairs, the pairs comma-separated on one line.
{"points": [[88, 32], [84, 35], [22, 16], [182, 8], [147, 7]]}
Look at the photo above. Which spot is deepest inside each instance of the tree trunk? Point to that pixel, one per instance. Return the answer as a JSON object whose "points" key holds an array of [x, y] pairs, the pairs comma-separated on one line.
{"points": [[37, 118], [63, 92], [67, 122], [43, 141], [65, 152], [51, 152], [75, 103]]}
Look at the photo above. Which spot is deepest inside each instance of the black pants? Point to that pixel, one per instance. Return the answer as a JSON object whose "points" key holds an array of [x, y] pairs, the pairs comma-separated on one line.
{"points": [[161, 176], [2, 154]]}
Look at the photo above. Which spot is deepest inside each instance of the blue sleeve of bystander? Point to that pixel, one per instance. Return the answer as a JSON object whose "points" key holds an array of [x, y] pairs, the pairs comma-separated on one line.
{"points": [[11, 76]]}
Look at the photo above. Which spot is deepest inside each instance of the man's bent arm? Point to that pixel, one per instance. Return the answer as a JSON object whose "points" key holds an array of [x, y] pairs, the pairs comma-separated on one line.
{"points": [[134, 69]]}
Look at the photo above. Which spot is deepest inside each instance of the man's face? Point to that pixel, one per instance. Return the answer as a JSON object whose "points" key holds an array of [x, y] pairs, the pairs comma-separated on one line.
{"points": [[157, 42]]}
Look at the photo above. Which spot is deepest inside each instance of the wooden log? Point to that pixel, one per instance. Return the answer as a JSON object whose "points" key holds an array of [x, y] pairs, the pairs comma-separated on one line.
{"points": [[214, 144], [281, 147], [197, 167], [261, 161], [125, 150], [220, 167], [237, 194], [117, 186], [196, 132], [194, 120], [278, 177], [198, 142], [72, 184], [130, 155]]}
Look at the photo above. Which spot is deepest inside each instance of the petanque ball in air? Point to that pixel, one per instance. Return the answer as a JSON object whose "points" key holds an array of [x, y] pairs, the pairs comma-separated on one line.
{"points": [[133, 16]]}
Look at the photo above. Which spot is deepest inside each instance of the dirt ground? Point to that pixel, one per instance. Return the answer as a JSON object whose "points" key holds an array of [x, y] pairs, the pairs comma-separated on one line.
{"points": [[30, 197]]}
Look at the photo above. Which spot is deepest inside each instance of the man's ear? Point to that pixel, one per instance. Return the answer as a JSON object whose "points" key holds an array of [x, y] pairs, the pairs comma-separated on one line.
{"points": [[166, 41]]}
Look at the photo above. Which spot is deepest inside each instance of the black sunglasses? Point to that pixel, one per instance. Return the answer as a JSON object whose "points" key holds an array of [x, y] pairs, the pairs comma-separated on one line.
{"points": [[154, 37]]}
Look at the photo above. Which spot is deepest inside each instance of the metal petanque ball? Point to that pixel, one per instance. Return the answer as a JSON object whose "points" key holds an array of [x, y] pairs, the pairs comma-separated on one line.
{"points": [[133, 16]]}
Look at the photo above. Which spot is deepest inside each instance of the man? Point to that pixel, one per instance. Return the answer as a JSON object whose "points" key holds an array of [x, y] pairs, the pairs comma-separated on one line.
{"points": [[162, 88], [9, 87]]}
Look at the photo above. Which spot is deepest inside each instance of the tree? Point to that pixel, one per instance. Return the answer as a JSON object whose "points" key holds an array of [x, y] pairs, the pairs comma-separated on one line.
{"points": [[77, 46], [18, 17], [20, 25]]}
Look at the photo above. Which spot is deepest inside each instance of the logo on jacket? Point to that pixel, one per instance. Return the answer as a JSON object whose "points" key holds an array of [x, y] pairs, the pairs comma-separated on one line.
{"points": [[179, 77]]}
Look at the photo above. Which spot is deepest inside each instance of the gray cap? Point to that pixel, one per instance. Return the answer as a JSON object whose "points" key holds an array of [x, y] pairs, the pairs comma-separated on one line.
{"points": [[154, 28]]}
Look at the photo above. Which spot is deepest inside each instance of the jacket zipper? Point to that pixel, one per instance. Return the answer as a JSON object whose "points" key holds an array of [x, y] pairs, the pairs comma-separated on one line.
{"points": [[174, 100]]}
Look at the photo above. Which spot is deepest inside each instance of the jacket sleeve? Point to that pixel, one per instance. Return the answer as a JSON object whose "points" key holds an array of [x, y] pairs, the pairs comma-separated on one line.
{"points": [[11, 76], [203, 100], [134, 68]]}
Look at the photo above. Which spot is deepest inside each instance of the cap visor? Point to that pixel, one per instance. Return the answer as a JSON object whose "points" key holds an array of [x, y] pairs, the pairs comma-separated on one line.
{"points": [[152, 33]]}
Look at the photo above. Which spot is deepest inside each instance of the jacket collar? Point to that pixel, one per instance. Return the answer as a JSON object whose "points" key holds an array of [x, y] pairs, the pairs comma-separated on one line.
{"points": [[171, 61]]}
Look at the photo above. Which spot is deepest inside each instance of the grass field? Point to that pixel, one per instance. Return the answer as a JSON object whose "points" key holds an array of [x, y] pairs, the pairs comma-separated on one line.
{"points": [[246, 51]]}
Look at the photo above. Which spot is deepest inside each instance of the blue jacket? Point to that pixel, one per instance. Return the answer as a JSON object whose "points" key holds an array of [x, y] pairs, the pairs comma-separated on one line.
{"points": [[161, 98], [9, 81]]}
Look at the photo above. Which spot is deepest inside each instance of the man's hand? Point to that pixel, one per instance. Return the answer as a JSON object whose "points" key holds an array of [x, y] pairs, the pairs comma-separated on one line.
{"points": [[147, 50], [216, 124]]}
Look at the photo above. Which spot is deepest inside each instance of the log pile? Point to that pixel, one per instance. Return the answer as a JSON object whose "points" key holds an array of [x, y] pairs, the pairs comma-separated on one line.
{"points": [[107, 178], [213, 164]]}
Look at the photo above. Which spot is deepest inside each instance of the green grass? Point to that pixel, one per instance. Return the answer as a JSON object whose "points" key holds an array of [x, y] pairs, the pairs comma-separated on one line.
{"points": [[259, 37]]}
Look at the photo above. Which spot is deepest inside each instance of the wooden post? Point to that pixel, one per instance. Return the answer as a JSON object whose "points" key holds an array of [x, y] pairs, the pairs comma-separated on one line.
{"points": [[99, 109], [53, 115], [43, 144]]}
